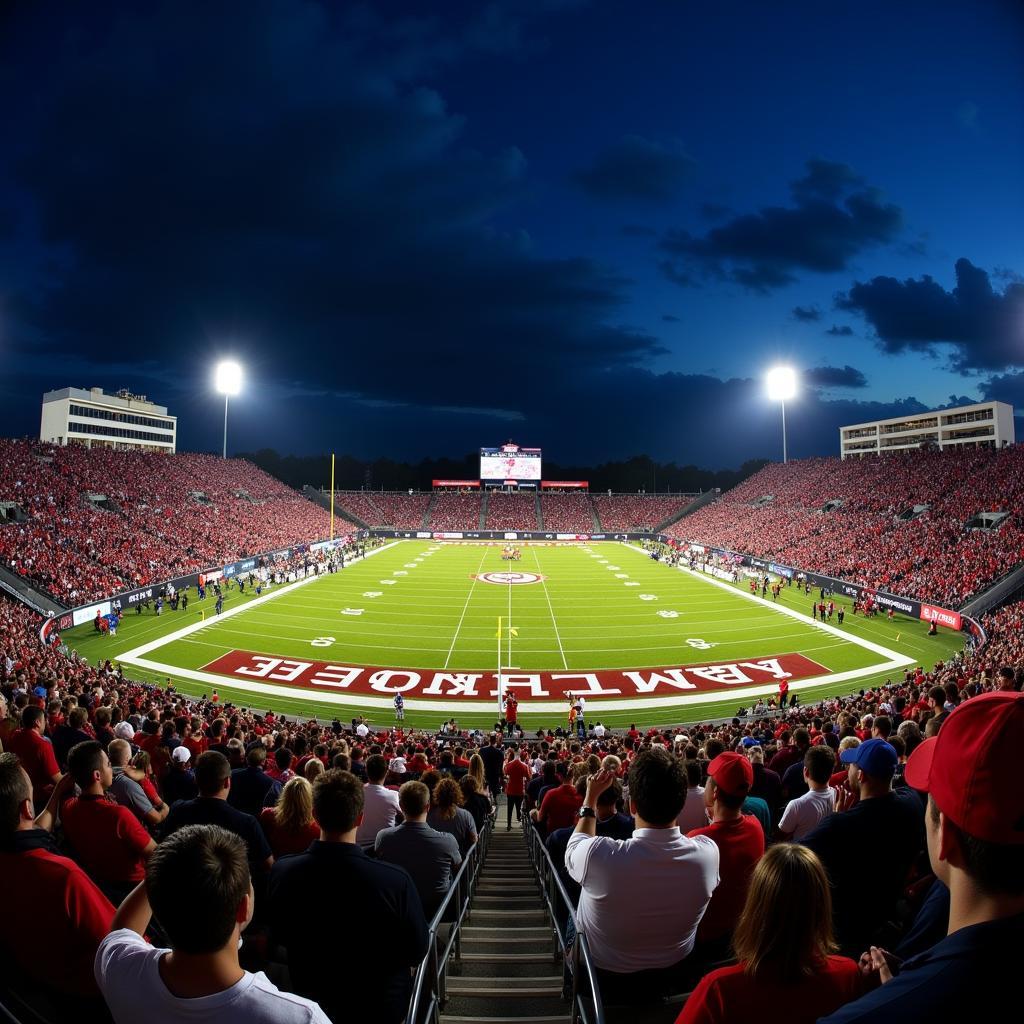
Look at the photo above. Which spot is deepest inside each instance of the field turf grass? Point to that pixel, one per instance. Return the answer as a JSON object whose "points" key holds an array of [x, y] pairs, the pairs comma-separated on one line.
{"points": [[433, 614]]}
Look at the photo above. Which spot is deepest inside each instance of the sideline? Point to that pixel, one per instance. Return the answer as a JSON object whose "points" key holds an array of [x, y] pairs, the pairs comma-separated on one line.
{"points": [[133, 656], [741, 695]]}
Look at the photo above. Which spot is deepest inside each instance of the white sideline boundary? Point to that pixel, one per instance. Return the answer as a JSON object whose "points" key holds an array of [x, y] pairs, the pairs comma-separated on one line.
{"points": [[136, 657]]}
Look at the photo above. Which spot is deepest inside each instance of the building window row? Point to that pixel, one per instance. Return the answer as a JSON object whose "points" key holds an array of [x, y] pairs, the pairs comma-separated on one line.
{"points": [[895, 428], [105, 431], [968, 417], [121, 417]]}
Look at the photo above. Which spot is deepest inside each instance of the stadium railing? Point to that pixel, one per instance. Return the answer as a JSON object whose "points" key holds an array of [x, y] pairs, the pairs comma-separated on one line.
{"points": [[585, 995], [444, 935]]}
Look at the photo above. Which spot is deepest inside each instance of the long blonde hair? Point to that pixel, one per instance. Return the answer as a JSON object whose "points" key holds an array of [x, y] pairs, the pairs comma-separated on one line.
{"points": [[294, 808], [785, 930], [476, 769]]}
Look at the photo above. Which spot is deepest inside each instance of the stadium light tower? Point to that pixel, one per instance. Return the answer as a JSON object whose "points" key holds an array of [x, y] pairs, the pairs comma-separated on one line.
{"points": [[228, 380], [782, 386]]}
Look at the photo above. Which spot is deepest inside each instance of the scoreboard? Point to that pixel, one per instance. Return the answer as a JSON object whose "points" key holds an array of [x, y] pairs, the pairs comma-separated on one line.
{"points": [[510, 464]]}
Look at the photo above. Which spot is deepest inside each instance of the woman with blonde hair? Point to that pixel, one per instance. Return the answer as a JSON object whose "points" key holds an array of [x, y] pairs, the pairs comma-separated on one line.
{"points": [[476, 769], [447, 814], [786, 972], [289, 824]]}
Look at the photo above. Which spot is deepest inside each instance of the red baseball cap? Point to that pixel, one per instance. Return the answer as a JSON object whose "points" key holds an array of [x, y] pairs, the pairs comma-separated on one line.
{"points": [[969, 767], [732, 773]]}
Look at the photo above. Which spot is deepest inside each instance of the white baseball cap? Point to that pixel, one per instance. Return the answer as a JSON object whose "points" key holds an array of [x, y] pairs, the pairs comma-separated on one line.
{"points": [[181, 754]]}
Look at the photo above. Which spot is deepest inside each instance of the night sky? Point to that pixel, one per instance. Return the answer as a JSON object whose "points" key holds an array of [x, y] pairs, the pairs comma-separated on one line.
{"points": [[588, 227]]}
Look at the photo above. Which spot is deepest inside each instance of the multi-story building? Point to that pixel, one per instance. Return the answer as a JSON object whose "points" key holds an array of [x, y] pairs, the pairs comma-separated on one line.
{"points": [[984, 425], [95, 419]]}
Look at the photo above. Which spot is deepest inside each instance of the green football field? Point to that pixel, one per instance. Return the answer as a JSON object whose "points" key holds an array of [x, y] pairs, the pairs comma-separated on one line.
{"points": [[430, 610]]}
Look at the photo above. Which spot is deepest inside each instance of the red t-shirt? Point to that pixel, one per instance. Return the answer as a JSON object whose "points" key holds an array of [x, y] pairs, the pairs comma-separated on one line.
{"points": [[518, 774], [56, 919], [285, 841], [37, 758], [511, 710], [107, 838], [729, 994], [740, 847], [559, 807]]}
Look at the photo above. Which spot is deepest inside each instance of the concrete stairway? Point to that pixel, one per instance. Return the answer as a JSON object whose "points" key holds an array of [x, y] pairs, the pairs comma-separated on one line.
{"points": [[508, 971]]}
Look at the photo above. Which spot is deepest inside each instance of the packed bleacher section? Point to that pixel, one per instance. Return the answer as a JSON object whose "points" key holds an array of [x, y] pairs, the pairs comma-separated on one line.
{"points": [[455, 511], [761, 789], [633, 512], [754, 792], [165, 516], [389, 510], [568, 512], [933, 556], [511, 511]]}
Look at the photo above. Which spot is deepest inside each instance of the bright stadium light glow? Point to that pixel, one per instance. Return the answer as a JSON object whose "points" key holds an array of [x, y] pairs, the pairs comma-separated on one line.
{"points": [[781, 383], [228, 377], [228, 381]]}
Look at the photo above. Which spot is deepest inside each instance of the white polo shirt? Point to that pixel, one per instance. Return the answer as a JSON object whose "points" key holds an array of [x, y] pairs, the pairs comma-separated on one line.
{"points": [[643, 897]]}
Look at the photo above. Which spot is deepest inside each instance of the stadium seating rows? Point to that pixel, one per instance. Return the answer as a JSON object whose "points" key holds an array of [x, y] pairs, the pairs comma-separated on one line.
{"points": [[568, 512], [166, 516], [511, 511], [629, 512], [393, 510], [934, 556]]}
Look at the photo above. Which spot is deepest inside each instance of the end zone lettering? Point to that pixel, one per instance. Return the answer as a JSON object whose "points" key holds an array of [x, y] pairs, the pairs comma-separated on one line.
{"points": [[372, 680]]}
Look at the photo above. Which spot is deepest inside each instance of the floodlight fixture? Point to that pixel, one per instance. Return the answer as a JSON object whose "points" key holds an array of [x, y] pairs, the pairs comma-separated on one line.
{"points": [[228, 377], [781, 381], [228, 381]]}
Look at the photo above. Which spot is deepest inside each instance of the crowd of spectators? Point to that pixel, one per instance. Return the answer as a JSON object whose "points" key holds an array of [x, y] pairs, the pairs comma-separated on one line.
{"points": [[811, 873], [626, 513], [387, 510], [455, 510], [872, 534], [160, 516], [511, 511], [567, 512]]}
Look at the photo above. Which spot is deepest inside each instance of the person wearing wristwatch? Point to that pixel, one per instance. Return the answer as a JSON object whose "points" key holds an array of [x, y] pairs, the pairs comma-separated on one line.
{"points": [[629, 923]]}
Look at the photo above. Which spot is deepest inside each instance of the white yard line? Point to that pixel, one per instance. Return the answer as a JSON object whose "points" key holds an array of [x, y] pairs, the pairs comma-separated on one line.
{"points": [[540, 572], [464, 607], [869, 645], [132, 656]]}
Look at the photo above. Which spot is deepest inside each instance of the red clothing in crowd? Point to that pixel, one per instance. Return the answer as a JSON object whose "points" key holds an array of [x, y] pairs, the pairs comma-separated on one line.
{"points": [[559, 807], [517, 775], [37, 758], [283, 841], [56, 918], [740, 847], [729, 994], [106, 837]]}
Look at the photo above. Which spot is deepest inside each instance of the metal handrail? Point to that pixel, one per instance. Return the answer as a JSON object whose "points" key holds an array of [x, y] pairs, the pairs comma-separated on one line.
{"points": [[584, 1010], [430, 983]]}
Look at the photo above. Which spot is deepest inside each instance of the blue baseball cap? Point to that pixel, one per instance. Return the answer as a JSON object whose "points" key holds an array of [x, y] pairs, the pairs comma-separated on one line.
{"points": [[873, 757]]}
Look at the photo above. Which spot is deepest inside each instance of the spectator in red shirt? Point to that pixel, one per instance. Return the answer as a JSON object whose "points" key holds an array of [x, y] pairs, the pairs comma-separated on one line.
{"points": [[740, 840], [517, 774], [786, 973], [108, 840], [559, 807], [289, 824], [36, 753], [56, 916]]}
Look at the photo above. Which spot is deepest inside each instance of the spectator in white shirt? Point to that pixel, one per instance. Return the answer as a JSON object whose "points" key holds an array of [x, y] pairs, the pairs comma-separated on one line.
{"points": [[695, 812], [599, 731], [197, 883], [639, 939], [380, 805], [803, 815]]}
